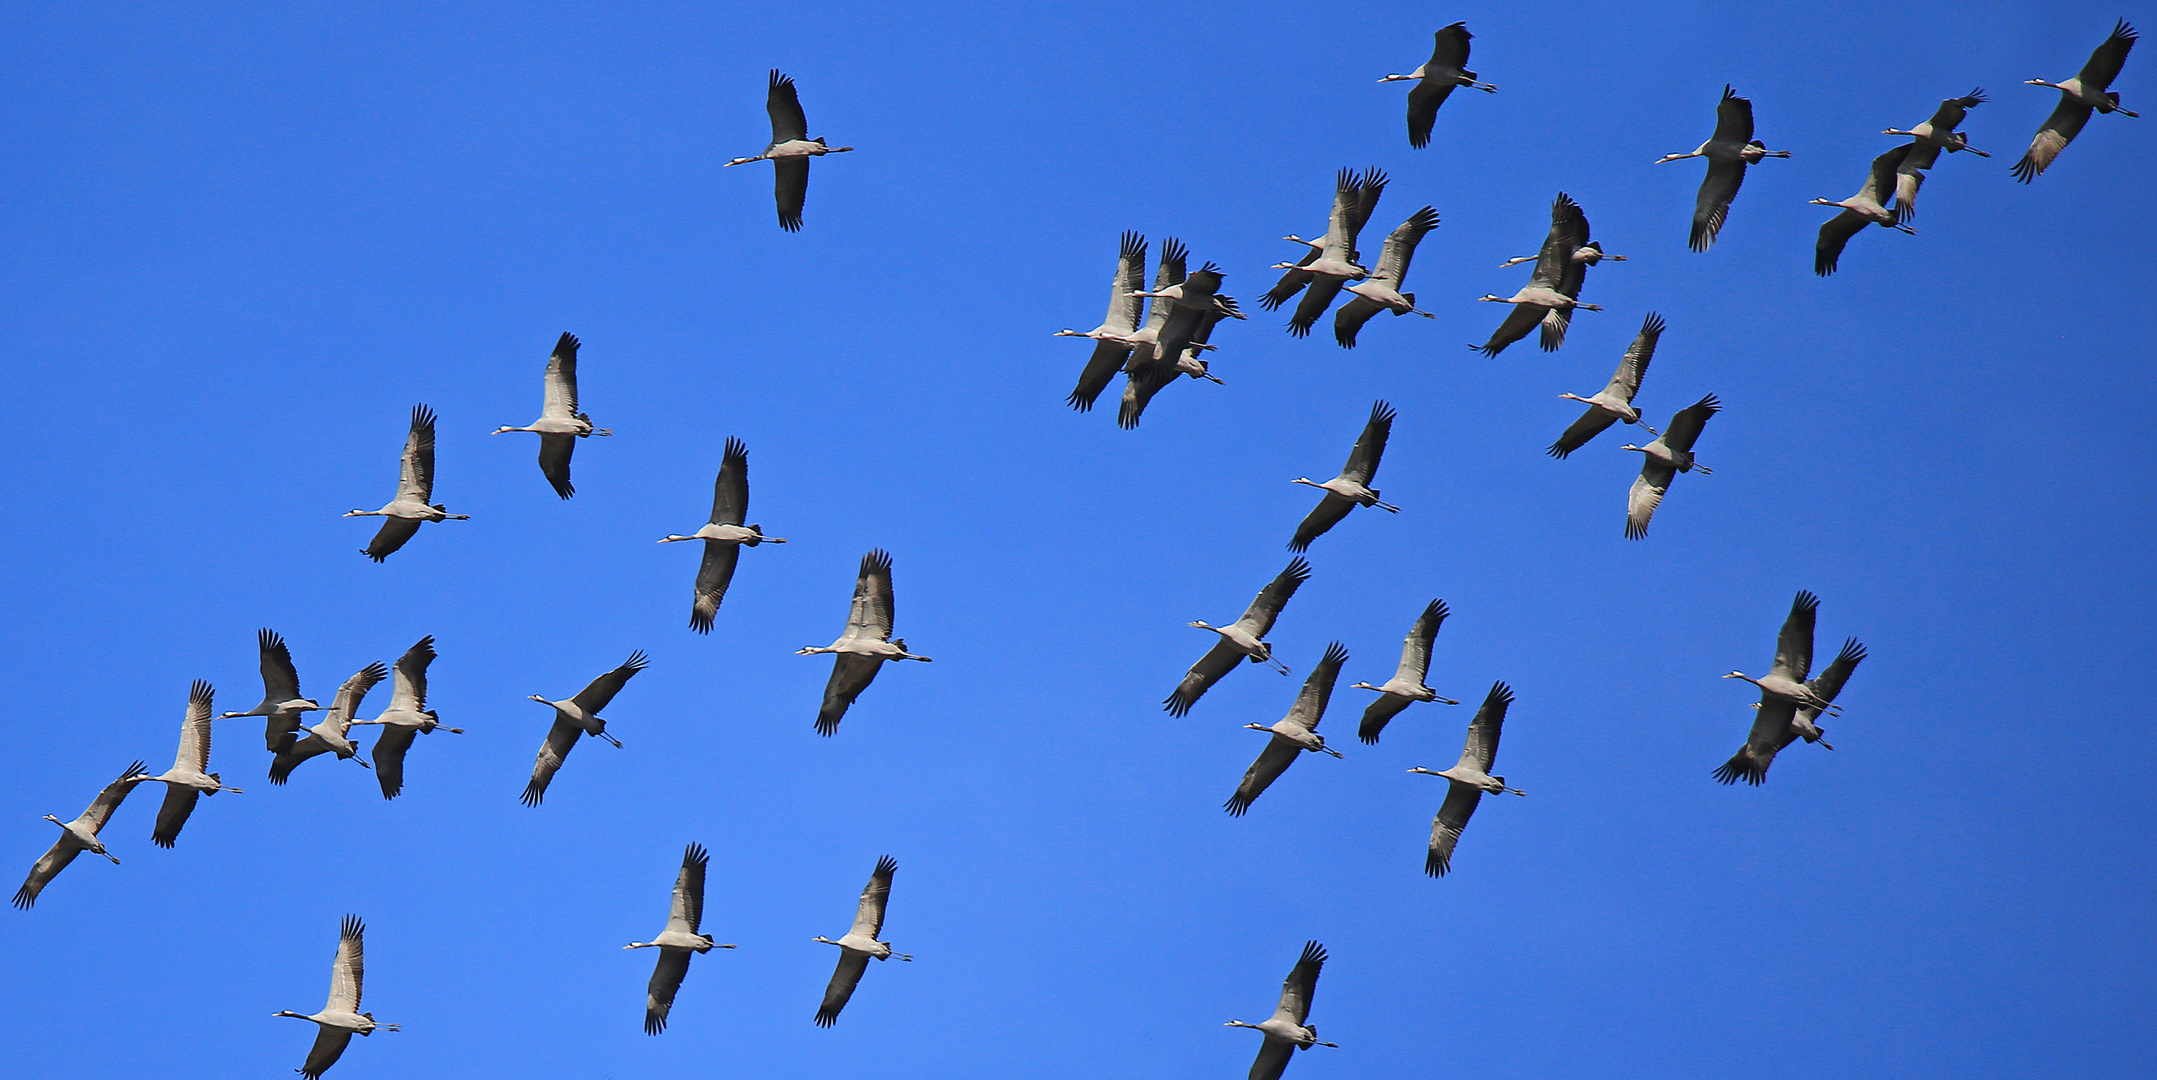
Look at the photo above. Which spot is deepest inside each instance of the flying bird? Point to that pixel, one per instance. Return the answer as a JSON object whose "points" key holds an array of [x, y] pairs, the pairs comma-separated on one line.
{"points": [[1113, 339], [1867, 207], [1615, 402], [723, 537], [1352, 487], [1927, 140], [1293, 734], [333, 734], [281, 700], [1786, 722], [1728, 151], [1338, 262], [1368, 188], [1286, 1031], [407, 717], [1670, 454], [859, 943], [1783, 690], [1446, 69], [1240, 639], [790, 150], [79, 835], [681, 937], [1545, 292], [560, 424], [1381, 291], [2079, 96], [865, 645], [577, 716], [415, 486], [189, 778], [340, 1019], [1406, 686], [1469, 781]]}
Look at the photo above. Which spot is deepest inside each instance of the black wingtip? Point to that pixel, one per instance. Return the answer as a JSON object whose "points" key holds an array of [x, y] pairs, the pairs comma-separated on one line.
{"points": [[1236, 805], [790, 224], [700, 622], [533, 794], [886, 866], [637, 661], [23, 898], [827, 726], [695, 853], [1742, 766], [654, 1023], [566, 345], [1299, 570], [825, 1018], [1436, 865], [351, 926], [1805, 601], [1336, 654], [737, 452], [1381, 412], [1500, 696], [1175, 705], [877, 560], [200, 693], [1853, 651], [1313, 953]]}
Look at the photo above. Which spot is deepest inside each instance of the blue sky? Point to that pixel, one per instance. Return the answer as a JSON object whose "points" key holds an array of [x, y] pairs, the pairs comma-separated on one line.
{"points": [[245, 240]]}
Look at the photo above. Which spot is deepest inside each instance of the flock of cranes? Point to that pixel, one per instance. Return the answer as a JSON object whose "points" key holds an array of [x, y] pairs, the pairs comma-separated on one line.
{"points": [[1152, 347]]}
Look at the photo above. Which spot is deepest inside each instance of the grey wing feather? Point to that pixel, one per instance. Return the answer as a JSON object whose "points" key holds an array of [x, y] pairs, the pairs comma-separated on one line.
{"points": [[1273, 1054], [1378, 714], [1481, 749], [1218, 661], [329, 1046], [667, 977], [790, 189], [869, 913], [111, 796], [1274, 760], [1108, 358], [873, 609], [1717, 188], [850, 675], [1835, 234], [391, 536], [1453, 814], [415, 476], [1258, 618], [1831, 678], [348, 972], [1291, 283], [714, 574], [560, 402], [172, 816], [1316, 300], [1348, 320], [1770, 733], [555, 450], [280, 680], [1646, 494], [47, 867], [1685, 427], [561, 739], [2059, 129], [601, 690], [1301, 984], [1590, 424], [1793, 645], [1568, 230], [389, 751], [843, 979], [1124, 308], [1400, 247], [1330, 510], [2105, 61], [1370, 446], [1733, 118], [730, 492], [1521, 319], [292, 749], [1310, 706], [1626, 382], [685, 911], [783, 104]]}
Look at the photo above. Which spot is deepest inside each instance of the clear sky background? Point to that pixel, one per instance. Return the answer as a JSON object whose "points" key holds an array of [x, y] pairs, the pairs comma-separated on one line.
{"points": [[243, 240]]}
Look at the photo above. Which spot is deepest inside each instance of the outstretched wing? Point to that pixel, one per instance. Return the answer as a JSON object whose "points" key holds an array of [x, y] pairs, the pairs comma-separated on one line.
{"points": [[1330, 510], [730, 492], [850, 675], [1771, 732], [1378, 714], [784, 106], [1793, 645], [1108, 358], [1634, 366], [47, 867], [1568, 230], [2058, 130], [1274, 760], [1518, 321], [561, 380], [1481, 749], [685, 913], [1349, 319], [561, 739], [172, 816], [292, 749], [1310, 706], [110, 797], [391, 536], [415, 477], [1453, 814], [1258, 619], [555, 450], [349, 970], [1717, 188], [329, 1046], [872, 613], [389, 751], [595, 696], [659, 994], [1302, 982], [1370, 446], [2106, 59], [841, 988], [1646, 495], [194, 752], [869, 913], [714, 574], [1590, 424], [790, 189], [1685, 426], [1292, 282], [280, 680], [1218, 661]]}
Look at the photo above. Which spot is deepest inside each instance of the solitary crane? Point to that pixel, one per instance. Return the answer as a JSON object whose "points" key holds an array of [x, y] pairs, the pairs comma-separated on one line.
{"points": [[1867, 207], [1406, 686], [1927, 140], [859, 943], [865, 645], [1544, 292], [1113, 338], [1615, 402], [1469, 781], [790, 150], [681, 937], [407, 717], [189, 778], [1293, 734], [1728, 151], [1446, 69], [1670, 454], [281, 700], [560, 422], [1352, 487], [415, 487], [333, 734], [1786, 722], [340, 1018], [1240, 639], [1337, 264], [2079, 96], [577, 716], [1381, 291], [79, 835], [1783, 690], [1286, 1031], [723, 537]]}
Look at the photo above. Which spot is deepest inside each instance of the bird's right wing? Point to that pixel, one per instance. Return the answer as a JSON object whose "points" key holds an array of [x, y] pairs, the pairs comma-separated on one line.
{"points": [[714, 574], [1108, 358], [869, 913], [601, 690], [783, 104], [1835, 234], [685, 913], [1646, 495], [1218, 661], [194, 752], [389, 751], [1401, 243], [1453, 814], [1717, 188], [1590, 424], [841, 988], [1315, 301], [1416, 647], [1274, 760], [555, 450], [1302, 982], [2059, 129], [1518, 321], [873, 611], [1771, 732], [172, 815], [349, 969], [1349, 318], [659, 994], [730, 492], [1378, 714], [329, 1046], [1292, 282], [346, 705], [391, 536], [1481, 750], [850, 675], [415, 476], [1793, 645], [1837, 672], [291, 750], [47, 867], [561, 739], [1330, 510], [1341, 220], [1272, 1060], [1258, 618]]}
